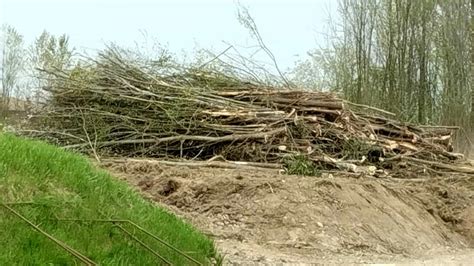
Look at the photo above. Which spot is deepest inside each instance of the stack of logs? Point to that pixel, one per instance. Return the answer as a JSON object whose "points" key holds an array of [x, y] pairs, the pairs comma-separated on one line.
{"points": [[116, 108]]}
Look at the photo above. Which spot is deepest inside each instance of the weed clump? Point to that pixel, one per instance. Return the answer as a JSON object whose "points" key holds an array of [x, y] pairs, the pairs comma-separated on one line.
{"points": [[300, 164]]}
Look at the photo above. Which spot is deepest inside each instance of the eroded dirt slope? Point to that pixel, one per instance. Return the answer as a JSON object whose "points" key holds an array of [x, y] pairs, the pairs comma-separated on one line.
{"points": [[263, 216]]}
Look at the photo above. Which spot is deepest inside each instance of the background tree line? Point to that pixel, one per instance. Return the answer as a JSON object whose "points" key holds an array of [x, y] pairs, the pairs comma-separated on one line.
{"points": [[413, 58], [22, 69]]}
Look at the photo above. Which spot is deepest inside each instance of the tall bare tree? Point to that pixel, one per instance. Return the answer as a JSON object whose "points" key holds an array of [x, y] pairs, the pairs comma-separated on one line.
{"points": [[12, 65], [472, 69], [47, 54], [411, 57]]}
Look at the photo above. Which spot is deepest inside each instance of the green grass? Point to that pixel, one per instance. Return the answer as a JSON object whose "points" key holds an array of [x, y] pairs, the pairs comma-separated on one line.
{"points": [[64, 184], [300, 164]]}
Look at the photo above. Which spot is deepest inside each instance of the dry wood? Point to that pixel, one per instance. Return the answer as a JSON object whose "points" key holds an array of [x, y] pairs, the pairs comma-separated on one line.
{"points": [[442, 127], [197, 164], [439, 165], [371, 108], [184, 138], [308, 103], [121, 107]]}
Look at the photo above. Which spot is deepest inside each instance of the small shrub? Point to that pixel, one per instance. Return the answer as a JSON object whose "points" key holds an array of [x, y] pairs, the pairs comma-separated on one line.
{"points": [[300, 164], [354, 149]]}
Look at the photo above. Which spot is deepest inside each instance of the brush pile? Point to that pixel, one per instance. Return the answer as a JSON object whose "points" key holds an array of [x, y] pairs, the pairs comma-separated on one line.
{"points": [[116, 107]]}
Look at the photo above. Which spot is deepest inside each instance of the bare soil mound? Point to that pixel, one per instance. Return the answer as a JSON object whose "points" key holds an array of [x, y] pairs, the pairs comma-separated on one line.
{"points": [[263, 216]]}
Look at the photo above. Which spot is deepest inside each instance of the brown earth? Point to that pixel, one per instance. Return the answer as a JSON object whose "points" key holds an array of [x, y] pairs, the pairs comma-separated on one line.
{"points": [[263, 216]]}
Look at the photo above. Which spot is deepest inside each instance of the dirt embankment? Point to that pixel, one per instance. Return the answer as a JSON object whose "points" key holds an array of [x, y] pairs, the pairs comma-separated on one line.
{"points": [[261, 216]]}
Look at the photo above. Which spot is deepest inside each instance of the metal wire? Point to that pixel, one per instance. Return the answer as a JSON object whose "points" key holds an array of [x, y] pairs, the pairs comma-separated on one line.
{"points": [[137, 227], [70, 250], [164, 243], [143, 244], [83, 258]]}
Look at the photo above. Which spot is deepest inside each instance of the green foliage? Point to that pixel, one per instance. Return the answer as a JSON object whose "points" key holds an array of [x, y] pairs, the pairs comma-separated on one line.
{"points": [[50, 52], [63, 184], [354, 149], [307, 74], [46, 55], [300, 164], [11, 67]]}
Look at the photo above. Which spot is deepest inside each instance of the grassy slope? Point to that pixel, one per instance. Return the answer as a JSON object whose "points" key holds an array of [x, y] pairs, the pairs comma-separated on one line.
{"points": [[70, 187]]}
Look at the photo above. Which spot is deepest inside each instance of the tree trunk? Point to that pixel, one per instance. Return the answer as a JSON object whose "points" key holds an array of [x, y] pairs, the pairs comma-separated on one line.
{"points": [[472, 69]]}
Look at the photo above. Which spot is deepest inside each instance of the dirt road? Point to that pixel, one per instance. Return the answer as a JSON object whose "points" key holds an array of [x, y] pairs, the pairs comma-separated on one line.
{"points": [[262, 216], [459, 258]]}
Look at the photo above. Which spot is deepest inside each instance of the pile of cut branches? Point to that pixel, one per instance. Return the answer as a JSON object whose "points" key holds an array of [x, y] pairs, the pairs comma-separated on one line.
{"points": [[114, 106]]}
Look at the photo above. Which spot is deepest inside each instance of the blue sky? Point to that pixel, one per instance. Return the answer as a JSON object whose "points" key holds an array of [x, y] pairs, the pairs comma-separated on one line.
{"points": [[289, 28]]}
